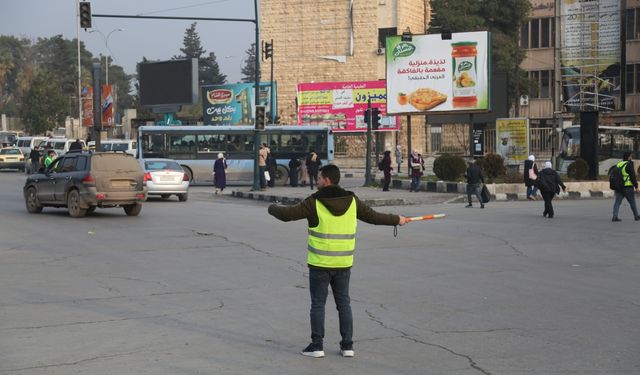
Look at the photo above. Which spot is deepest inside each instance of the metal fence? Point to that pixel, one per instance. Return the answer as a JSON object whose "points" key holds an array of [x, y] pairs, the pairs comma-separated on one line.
{"points": [[540, 141]]}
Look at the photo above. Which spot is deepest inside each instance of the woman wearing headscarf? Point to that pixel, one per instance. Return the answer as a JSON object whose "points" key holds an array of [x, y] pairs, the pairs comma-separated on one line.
{"points": [[530, 177], [294, 167], [385, 166], [220, 173], [416, 168], [550, 184]]}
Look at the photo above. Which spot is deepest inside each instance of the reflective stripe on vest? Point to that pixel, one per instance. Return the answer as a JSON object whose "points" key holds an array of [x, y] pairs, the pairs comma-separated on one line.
{"points": [[332, 243], [625, 175]]}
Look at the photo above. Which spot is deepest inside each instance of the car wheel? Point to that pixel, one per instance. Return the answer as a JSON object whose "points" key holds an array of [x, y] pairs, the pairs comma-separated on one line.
{"points": [[31, 200], [133, 209], [165, 196], [282, 175], [73, 204], [91, 209], [189, 174], [183, 197]]}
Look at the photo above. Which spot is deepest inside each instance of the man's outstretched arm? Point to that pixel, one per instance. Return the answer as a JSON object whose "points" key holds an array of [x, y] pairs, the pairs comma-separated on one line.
{"points": [[290, 213]]}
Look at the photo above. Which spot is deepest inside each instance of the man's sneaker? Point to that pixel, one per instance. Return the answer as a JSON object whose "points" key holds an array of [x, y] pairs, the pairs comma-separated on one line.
{"points": [[615, 219], [313, 350], [468, 206], [347, 351]]}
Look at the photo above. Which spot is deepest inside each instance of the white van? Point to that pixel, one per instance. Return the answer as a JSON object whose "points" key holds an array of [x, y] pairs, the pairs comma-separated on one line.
{"points": [[61, 145], [127, 145], [25, 144]]}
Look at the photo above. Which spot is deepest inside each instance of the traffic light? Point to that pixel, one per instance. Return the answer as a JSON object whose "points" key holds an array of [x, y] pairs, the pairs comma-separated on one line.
{"points": [[268, 50], [367, 116], [261, 118], [375, 118], [85, 14]]}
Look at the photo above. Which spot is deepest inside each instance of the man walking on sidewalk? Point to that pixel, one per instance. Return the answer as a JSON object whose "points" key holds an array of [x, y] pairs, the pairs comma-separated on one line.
{"points": [[629, 184], [332, 215]]}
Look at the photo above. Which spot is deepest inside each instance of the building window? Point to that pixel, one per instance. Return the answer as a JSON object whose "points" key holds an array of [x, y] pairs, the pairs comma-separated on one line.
{"points": [[537, 33], [541, 84], [633, 23], [384, 33], [633, 79]]}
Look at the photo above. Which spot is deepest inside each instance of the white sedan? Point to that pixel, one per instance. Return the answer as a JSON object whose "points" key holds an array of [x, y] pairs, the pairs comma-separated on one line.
{"points": [[165, 177]]}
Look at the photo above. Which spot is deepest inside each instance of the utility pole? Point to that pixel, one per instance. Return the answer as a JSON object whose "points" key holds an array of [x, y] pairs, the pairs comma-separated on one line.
{"points": [[256, 134], [79, 74], [367, 172], [97, 106]]}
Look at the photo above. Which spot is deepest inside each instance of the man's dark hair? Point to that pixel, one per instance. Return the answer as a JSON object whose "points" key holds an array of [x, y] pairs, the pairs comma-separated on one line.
{"points": [[626, 155], [332, 172]]}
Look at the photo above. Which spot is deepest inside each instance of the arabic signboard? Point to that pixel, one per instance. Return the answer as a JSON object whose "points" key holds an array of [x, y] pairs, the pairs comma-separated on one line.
{"points": [[234, 104], [107, 105], [87, 106], [512, 139], [478, 140], [341, 105], [429, 74], [591, 54]]}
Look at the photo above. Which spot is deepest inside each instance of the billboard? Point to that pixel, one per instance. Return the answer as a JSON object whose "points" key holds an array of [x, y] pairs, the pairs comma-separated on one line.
{"points": [[591, 54], [233, 104], [172, 82], [107, 106], [341, 105], [512, 139], [87, 106], [431, 74]]}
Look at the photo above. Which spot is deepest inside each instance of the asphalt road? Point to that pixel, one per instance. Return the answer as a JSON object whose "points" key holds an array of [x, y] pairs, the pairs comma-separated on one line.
{"points": [[216, 286]]}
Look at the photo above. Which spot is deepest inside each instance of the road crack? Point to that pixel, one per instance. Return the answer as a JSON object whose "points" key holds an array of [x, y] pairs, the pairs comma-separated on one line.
{"points": [[73, 363], [517, 251], [403, 335]]}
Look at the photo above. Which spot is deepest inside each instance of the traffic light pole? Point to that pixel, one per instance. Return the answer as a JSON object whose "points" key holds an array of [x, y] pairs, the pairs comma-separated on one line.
{"points": [[97, 107], [367, 172]]}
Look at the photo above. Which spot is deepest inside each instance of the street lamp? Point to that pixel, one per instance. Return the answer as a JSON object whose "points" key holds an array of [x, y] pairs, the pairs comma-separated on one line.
{"points": [[106, 45]]}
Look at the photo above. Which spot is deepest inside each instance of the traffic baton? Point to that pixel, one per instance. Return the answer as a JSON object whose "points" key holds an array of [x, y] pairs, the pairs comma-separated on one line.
{"points": [[425, 217]]}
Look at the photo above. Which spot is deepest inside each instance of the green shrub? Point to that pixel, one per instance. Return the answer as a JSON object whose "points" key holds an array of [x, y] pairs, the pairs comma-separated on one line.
{"points": [[513, 177], [449, 167], [492, 166], [578, 170]]}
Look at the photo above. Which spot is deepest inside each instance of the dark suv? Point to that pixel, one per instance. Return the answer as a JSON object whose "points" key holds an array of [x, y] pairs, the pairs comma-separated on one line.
{"points": [[82, 181]]}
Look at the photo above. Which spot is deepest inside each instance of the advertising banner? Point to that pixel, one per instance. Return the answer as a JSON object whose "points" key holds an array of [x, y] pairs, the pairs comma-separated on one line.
{"points": [[233, 104], [431, 74], [87, 106], [478, 140], [591, 54], [341, 105], [107, 106], [512, 139]]}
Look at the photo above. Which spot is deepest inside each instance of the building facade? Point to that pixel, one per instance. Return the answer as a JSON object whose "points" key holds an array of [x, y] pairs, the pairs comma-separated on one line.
{"points": [[333, 41]]}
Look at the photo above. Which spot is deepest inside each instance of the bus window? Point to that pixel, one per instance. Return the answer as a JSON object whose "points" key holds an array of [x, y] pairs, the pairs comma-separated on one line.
{"points": [[182, 147], [209, 145]]}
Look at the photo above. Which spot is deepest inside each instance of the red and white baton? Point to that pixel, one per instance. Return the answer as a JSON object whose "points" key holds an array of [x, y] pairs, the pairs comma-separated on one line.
{"points": [[425, 217]]}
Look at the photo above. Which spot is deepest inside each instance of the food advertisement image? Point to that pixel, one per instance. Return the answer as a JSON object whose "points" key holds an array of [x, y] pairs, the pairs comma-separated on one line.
{"points": [[233, 104], [341, 105], [431, 74]]}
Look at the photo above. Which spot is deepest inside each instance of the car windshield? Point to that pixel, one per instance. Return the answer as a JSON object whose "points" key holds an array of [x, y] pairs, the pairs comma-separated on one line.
{"points": [[120, 147], [158, 165], [10, 151], [112, 162]]}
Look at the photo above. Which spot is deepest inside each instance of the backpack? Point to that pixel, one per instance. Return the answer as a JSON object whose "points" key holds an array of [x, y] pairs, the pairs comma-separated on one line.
{"points": [[616, 179], [380, 166]]}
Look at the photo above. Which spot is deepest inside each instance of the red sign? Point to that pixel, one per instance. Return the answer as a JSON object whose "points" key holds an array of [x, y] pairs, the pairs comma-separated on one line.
{"points": [[87, 106], [219, 96], [107, 106]]}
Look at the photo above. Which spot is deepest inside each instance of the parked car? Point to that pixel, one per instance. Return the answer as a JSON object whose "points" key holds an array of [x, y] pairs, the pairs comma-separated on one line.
{"points": [[11, 158], [83, 181], [165, 177], [127, 145], [61, 145]]}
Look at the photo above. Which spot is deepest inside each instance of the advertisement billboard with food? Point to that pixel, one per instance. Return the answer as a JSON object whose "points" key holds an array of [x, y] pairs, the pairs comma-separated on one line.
{"points": [[431, 74], [512, 139], [234, 104], [341, 105]]}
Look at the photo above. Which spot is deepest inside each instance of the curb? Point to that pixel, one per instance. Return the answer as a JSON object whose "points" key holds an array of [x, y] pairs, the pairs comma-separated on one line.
{"points": [[290, 201]]}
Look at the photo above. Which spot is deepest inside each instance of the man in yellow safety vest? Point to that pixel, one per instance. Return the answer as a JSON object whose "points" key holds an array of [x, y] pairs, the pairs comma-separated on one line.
{"points": [[630, 183], [332, 215]]}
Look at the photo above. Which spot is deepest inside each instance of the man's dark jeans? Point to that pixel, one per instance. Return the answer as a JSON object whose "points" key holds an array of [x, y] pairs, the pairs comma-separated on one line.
{"points": [[627, 193], [319, 281], [263, 180], [548, 206], [474, 189]]}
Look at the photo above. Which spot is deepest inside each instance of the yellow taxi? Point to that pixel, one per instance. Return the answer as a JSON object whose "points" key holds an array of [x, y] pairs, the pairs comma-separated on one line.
{"points": [[11, 158]]}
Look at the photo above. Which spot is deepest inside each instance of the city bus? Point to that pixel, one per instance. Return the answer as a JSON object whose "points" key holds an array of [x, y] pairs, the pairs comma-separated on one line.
{"points": [[613, 141], [196, 148]]}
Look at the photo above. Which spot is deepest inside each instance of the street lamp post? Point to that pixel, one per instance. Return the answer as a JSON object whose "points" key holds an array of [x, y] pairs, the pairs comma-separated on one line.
{"points": [[106, 56]]}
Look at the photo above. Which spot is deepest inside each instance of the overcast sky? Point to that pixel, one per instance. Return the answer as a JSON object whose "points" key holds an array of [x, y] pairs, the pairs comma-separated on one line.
{"points": [[154, 39]]}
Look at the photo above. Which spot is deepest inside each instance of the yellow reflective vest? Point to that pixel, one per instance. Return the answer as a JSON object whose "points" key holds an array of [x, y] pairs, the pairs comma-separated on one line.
{"points": [[625, 175], [331, 244]]}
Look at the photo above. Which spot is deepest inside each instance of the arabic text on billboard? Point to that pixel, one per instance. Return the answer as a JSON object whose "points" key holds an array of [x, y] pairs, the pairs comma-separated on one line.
{"points": [[590, 54], [429, 74], [234, 104], [341, 105]]}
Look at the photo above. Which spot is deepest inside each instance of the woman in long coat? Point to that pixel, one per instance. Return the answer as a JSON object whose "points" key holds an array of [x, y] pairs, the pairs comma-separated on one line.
{"points": [[294, 165], [219, 173], [385, 163], [532, 189]]}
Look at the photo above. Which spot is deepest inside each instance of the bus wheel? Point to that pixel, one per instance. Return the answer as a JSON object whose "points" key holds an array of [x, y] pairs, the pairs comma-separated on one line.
{"points": [[189, 174], [282, 175]]}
